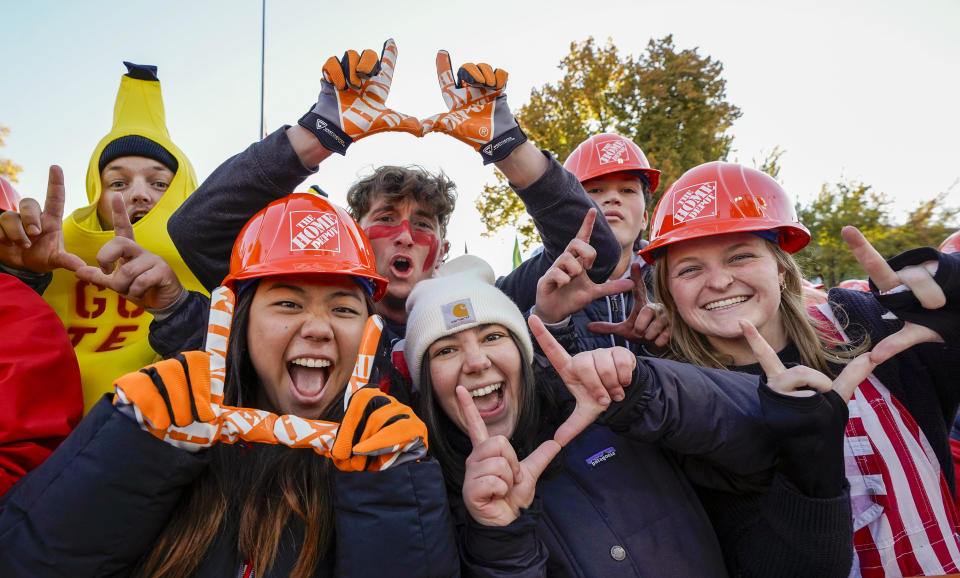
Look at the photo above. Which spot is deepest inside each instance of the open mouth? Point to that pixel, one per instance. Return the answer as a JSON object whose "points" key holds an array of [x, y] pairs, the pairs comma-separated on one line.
{"points": [[488, 399], [401, 265], [309, 377], [137, 215], [730, 302]]}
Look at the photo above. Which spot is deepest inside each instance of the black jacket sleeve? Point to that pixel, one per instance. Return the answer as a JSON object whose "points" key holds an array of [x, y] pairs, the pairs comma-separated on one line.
{"points": [[695, 411], [206, 225], [558, 204], [183, 330]]}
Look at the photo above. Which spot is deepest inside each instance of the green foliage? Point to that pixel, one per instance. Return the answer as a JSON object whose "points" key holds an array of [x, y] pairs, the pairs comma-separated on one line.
{"points": [[670, 102], [7, 167], [852, 203], [770, 163]]}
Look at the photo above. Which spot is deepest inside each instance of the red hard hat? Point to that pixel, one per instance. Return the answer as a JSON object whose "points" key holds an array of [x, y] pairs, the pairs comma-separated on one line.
{"points": [[855, 285], [303, 233], [9, 198], [606, 153], [717, 198], [951, 244]]}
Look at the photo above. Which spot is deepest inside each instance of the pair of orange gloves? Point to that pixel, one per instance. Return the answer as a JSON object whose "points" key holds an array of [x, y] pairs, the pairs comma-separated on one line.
{"points": [[180, 401], [353, 104]]}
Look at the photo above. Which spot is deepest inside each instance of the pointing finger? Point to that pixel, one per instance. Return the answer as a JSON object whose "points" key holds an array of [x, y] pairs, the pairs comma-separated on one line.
{"points": [[586, 229], [872, 262], [639, 287], [766, 356], [121, 220], [56, 193], [476, 429], [555, 352]]}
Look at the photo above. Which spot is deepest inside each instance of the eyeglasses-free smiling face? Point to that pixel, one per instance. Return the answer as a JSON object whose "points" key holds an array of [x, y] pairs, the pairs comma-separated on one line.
{"points": [[486, 361], [717, 281], [303, 335]]}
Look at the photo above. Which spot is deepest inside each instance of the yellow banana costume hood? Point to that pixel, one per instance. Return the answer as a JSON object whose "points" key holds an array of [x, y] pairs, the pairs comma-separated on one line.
{"points": [[109, 333]]}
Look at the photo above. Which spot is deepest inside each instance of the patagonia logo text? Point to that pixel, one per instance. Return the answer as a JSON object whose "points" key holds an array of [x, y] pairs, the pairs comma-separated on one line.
{"points": [[314, 231], [458, 313], [614, 151], [695, 201], [601, 456]]}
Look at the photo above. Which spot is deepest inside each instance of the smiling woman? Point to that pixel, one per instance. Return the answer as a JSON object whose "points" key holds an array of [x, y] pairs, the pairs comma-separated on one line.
{"points": [[722, 239], [239, 489]]}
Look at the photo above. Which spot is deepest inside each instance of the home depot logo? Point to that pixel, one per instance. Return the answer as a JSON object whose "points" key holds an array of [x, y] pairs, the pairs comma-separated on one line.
{"points": [[458, 313], [694, 202], [614, 151], [314, 231]]}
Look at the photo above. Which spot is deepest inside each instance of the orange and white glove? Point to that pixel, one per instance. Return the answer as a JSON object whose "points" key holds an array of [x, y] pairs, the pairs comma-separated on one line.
{"points": [[378, 432], [479, 115], [353, 100]]}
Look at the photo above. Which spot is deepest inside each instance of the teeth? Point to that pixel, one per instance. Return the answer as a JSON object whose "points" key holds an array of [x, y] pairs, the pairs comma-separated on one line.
{"points": [[724, 303], [486, 390], [310, 362]]}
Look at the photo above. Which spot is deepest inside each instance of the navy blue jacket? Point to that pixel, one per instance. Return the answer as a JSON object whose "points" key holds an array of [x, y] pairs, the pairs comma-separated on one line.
{"points": [[95, 507], [619, 500]]}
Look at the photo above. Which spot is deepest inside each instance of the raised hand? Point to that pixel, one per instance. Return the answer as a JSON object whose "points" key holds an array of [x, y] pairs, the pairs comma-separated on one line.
{"points": [[33, 239], [918, 279], [593, 377], [646, 322], [478, 112], [566, 288], [353, 99], [140, 276], [800, 380], [497, 485]]}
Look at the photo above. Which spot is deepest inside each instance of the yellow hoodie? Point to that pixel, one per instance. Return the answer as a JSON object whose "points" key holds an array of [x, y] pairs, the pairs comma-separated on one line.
{"points": [[109, 333]]}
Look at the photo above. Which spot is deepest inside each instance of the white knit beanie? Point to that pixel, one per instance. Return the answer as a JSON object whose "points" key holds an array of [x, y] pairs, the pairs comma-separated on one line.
{"points": [[461, 296]]}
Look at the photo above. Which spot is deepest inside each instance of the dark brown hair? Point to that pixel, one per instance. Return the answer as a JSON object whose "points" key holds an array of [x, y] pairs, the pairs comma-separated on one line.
{"points": [[436, 193], [260, 491]]}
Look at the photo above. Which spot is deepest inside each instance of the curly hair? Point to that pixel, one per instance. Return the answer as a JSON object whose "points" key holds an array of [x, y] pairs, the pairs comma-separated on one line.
{"points": [[434, 192]]}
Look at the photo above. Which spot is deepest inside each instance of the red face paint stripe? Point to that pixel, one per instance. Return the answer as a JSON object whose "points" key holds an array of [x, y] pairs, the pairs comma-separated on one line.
{"points": [[428, 240]]}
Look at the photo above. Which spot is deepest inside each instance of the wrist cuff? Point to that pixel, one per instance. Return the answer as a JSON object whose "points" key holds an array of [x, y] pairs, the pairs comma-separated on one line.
{"points": [[330, 136], [500, 147]]}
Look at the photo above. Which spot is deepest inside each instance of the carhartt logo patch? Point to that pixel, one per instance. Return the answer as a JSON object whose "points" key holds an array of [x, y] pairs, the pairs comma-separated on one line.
{"points": [[694, 202], [614, 151], [314, 231], [601, 456], [458, 313]]}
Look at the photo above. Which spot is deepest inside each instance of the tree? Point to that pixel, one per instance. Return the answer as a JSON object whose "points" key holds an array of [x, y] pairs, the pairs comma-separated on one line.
{"points": [[671, 102], [7, 167], [853, 203]]}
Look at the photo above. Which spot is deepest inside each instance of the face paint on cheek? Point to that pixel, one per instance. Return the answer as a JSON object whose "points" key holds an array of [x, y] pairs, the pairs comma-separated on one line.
{"points": [[428, 240], [431, 241], [388, 231]]}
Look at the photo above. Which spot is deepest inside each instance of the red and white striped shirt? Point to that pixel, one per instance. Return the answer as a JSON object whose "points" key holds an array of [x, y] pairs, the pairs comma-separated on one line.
{"points": [[904, 522]]}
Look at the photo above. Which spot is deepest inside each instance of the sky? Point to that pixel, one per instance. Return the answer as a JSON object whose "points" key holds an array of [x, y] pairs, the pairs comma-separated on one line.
{"points": [[850, 89]]}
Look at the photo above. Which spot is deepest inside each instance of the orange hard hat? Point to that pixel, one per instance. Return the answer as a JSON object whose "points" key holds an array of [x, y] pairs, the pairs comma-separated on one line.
{"points": [[607, 153], [716, 198], [304, 233], [951, 244], [9, 198], [855, 285]]}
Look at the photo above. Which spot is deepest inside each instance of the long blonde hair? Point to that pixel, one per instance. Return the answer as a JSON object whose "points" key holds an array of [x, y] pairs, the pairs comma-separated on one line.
{"points": [[813, 338]]}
